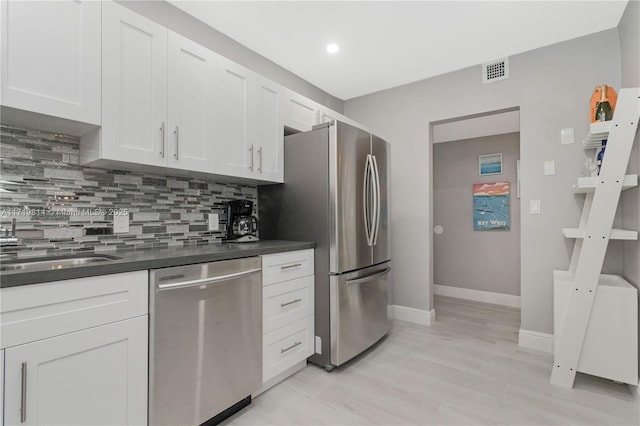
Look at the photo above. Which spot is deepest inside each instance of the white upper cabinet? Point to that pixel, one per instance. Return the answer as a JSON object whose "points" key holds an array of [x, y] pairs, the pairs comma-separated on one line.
{"points": [[269, 131], [158, 93], [51, 58], [236, 91], [134, 88], [326, 115], [250, 137], [300, 113], [192, 100]]}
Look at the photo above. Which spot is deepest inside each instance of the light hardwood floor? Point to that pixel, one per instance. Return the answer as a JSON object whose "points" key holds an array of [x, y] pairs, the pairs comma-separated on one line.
{"points": [[466, 369]]}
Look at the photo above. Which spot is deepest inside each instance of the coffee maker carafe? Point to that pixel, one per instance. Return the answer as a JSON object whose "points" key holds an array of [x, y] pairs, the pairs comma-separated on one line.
{"points": [[241, 225]]}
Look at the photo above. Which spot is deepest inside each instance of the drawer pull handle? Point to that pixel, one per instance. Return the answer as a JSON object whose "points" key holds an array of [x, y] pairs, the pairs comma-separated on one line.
{"points": [[282, 305], [294, 265], [296, 344], [23, 394]]}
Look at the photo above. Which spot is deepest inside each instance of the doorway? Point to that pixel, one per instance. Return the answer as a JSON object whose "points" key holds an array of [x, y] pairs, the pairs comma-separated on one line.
{"points": [[475, 230]]}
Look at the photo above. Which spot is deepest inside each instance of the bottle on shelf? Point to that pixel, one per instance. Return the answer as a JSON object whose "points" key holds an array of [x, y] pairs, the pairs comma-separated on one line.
{"points": [[600, 155], [603, 109]]}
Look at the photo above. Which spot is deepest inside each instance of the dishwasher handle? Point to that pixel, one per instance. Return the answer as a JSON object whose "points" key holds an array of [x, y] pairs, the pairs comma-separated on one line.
{"points": [[207, 281]]}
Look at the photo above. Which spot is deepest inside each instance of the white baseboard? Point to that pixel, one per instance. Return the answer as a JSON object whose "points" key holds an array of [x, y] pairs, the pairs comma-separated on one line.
{"points": [[536, 340], [477, 295], [416, 316]]}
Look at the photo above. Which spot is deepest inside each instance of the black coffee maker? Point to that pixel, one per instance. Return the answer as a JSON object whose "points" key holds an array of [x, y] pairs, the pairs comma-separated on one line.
{"points": [[241, 225]]}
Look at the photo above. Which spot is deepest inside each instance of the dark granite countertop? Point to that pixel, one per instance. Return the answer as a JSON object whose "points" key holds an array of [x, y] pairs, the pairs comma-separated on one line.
{"points": [[136, 260]]}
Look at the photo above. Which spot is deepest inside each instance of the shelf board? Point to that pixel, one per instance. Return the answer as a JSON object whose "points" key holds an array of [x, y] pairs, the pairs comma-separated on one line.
{"points": [[588, 184], [605, 280], [597, 132], [616, 234]]}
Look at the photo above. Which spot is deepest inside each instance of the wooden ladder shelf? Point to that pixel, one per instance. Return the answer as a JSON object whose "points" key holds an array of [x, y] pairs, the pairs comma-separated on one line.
{"points": [[593, 235]]}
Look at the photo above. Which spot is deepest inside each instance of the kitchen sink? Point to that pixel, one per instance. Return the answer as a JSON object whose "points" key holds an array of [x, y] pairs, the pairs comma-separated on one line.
{"points": [[51, 263]]}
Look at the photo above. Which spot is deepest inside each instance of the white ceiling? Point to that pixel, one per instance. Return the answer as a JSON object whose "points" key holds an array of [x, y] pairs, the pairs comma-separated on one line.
{"points": [[384, 44]]}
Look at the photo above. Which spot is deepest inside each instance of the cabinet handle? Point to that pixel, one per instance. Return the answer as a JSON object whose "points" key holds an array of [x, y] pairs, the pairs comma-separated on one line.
{"points": [[259, 159], [162, 132], [251, 157], [23, 394], [177, 132], [295, 265], [290, 347], [282, 305]]}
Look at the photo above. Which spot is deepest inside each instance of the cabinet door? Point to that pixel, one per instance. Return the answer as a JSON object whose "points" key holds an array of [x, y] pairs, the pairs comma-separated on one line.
{"points": [[236, 152], [94, 376], [300, 113], [270, 132], [51, 58], [134, 87], [192, 70]]}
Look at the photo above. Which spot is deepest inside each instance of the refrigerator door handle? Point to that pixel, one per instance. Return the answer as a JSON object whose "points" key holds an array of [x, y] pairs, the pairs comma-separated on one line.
{"points": [[366, 200], [376, 202], [371, 277]]}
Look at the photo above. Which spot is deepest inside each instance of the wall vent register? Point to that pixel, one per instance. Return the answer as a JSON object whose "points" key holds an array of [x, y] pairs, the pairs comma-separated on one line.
{"points": [[495, 71]]}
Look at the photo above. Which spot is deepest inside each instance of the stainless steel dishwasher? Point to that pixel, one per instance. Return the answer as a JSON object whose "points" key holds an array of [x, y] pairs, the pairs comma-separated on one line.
{"points": [[205, 332]]}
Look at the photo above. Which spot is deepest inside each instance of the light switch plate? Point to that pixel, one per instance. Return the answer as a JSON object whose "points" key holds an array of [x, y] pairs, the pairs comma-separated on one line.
{"points": [[535, 207], [214, 224], [120, 223], [566, 136], [549, 168]]}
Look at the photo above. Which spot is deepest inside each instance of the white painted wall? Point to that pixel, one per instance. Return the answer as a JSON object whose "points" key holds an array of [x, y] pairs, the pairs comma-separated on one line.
{"points": [[552, 86], [176, 20], [479, 260], [629, 33]]}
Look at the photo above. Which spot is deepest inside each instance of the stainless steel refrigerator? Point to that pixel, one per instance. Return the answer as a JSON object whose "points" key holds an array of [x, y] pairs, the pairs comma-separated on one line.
{"points": [[335, 193]]}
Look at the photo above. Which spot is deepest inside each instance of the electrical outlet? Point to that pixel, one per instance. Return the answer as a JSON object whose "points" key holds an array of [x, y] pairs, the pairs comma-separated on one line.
{"points": [[214, 223], [120, 224], [566, 136], [535, 207], [549, 168]]}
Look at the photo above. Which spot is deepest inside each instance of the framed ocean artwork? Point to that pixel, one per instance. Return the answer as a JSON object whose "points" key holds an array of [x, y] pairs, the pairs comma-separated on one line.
{"points": [[491, 206], [490, 164]]}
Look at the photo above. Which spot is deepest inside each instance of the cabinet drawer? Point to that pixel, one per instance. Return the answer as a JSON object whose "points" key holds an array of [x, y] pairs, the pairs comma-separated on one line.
{"points": [[286, 266], [38, 311], [286, 302], [286, 346]]}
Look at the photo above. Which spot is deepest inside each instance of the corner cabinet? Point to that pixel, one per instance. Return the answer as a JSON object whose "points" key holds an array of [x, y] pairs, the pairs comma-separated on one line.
{"points": [[250, 137], [51, 59], [158, 94], [287, 314], [75, 351], [595, 314]]}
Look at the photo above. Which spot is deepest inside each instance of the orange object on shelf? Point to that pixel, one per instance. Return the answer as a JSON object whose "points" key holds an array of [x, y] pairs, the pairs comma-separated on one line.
{"points": [[612, 96]]}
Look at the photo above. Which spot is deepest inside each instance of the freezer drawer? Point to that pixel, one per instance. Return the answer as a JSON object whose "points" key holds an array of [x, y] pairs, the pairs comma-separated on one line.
{"points": [[359, 311]]}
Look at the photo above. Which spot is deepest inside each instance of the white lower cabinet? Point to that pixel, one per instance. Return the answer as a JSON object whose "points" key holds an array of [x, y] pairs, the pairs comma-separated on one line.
{"points": [[287, 313], [89, 377], [76, 351]]}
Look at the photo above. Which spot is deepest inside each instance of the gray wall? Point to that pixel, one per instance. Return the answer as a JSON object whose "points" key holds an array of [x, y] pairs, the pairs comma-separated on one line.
{"points": [[629, 33], [478, 260], [552, 87], [176, 20]]}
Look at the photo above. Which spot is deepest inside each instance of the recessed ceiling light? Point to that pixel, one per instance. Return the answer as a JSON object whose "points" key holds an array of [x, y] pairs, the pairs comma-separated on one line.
{"points": [[332, 48]]}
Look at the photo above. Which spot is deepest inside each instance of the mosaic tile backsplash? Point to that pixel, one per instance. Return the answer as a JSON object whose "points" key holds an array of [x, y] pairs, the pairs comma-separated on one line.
{"points": [[63, 207]]}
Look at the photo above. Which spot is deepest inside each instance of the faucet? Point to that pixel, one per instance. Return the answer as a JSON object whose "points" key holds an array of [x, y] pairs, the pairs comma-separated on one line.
{"points": [[9, 239]]}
